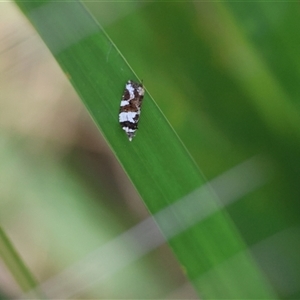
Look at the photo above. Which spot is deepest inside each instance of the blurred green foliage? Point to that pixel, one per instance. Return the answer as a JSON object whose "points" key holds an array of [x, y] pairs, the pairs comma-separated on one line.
{"points": [[226, 77]]}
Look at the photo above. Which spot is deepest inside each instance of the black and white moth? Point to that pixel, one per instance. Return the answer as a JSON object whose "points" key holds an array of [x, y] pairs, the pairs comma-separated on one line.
{"points": [[130, 108]]}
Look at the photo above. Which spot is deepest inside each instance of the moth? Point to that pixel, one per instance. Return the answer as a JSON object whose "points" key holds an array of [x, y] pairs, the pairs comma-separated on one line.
{"points": [[130, 107]]}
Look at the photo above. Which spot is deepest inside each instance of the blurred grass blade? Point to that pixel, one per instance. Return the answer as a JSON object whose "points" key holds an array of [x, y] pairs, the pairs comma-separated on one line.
{"points": [[156, 161], [248, 69], [21, 273]]}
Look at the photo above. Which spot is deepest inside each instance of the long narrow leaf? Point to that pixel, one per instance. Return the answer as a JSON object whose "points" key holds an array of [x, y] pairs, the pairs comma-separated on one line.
{"points": [[15, 263]]}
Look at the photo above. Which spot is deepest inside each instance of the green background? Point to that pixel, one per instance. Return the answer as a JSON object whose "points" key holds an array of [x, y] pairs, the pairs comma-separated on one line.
{"points": [[226, 77]]}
